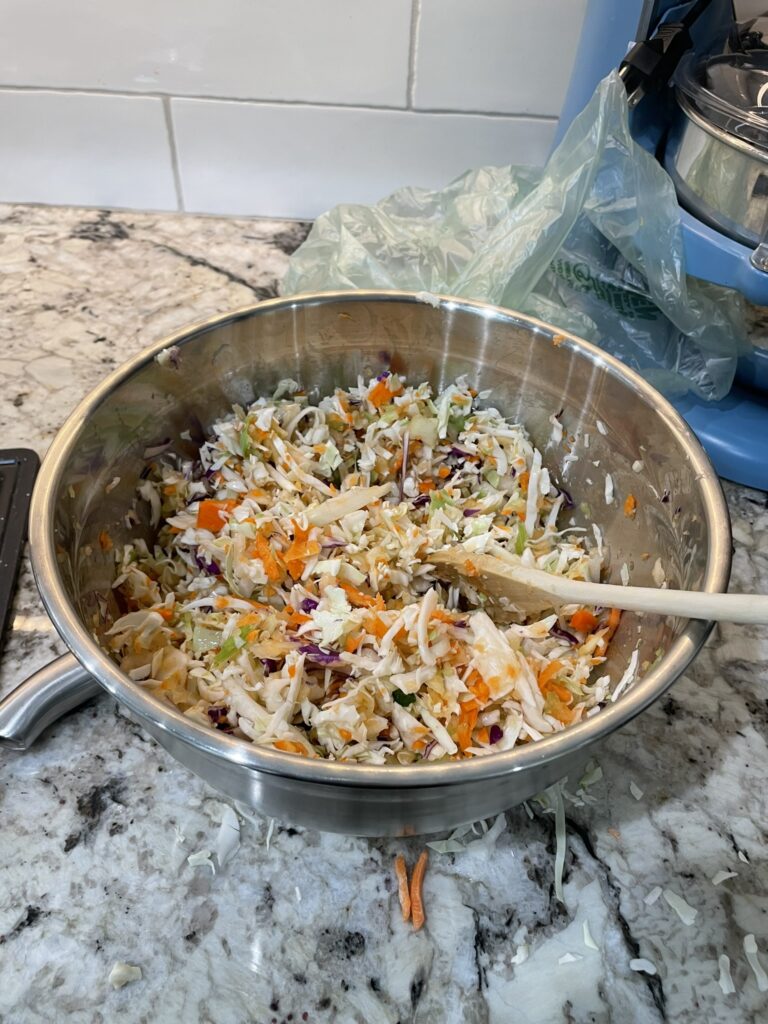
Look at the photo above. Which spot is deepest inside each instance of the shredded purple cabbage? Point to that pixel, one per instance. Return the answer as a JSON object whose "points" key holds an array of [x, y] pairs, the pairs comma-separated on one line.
{"points": [[334, 544], [218, 717], [383, 376], [458, 453], [471, 512], [563, 634], [495, 733], [308, 605], [420, 501], [318, 655], [270, 664], [210, 567], [461, 624]]}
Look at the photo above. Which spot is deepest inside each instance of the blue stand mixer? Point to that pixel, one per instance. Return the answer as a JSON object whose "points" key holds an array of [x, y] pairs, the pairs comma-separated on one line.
{"points": [[697, 85]]}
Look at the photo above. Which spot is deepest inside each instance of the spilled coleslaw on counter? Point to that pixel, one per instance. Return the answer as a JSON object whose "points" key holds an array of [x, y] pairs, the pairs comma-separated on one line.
{"points": [[289, 597]]}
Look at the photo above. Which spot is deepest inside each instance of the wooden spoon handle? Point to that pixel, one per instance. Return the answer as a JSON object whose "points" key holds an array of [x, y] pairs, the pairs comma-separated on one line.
{"points": [[687, 604]]}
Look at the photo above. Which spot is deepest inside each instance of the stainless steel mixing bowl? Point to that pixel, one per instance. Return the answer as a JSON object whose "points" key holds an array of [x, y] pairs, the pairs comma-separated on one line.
{"points": [[327, 340]]}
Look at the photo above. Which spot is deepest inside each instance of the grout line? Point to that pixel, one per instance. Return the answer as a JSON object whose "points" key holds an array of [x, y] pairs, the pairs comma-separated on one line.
{"points": [[413, 41], [167, 114], [150, 211], [384, 108]]}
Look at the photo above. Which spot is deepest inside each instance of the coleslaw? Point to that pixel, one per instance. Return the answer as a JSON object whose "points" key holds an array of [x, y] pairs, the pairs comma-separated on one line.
{"points": [[289, 598]]}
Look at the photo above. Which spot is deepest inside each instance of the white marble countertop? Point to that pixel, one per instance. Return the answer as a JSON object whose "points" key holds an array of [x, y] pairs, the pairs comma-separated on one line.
{"points": [[97, 821]]}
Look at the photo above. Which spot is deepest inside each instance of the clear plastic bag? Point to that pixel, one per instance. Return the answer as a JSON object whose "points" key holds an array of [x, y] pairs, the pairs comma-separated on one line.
{"points": [[592, 244]]}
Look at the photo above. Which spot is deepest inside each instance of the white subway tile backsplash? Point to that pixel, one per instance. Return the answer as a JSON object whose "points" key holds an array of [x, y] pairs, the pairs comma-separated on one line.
{"points": [[74, 148], [327, 51], [505, 56], [293, 161]]}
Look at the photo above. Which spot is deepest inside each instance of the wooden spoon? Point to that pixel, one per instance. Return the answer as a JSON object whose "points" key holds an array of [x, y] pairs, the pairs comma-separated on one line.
{"points": [[534, 591]]}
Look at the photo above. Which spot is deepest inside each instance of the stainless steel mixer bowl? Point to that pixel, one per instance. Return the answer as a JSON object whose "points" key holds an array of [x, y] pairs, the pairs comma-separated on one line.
{"points": [[718, 177], [326, 340]]}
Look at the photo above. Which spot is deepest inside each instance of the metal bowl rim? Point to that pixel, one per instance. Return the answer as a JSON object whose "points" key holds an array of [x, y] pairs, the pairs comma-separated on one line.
{"points": [[260, 759]]}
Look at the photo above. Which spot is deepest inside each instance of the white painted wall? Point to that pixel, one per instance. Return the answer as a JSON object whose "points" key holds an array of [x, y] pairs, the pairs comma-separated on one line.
{"points": [[272, 107]]}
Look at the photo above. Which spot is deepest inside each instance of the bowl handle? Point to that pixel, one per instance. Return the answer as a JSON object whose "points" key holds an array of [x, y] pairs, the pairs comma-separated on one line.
{"points": [[40, 700]]}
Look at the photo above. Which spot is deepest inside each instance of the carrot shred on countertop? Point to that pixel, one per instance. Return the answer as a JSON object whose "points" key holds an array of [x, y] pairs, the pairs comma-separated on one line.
{"points": [[403, 891], [630, 506], [417, 903]]}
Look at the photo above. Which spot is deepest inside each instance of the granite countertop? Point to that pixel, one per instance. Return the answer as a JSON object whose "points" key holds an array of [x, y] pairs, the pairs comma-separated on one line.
{"points": [[97, 821]]}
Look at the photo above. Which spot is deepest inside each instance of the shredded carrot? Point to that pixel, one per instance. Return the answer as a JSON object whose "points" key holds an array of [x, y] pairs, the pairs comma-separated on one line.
{"points": [[166, 613], [209, 513], [301, 548], [417, 880], [375, 625], [470, 568], [105, 541], [583, 621], [345, 734], [561, 692], [343, 404], [479, 689], [444, 471], [356, 597], [524, 478], [290, 747], [401, 873], [267, 558], [249, 619], [614, 618], [169, 489], [467, 720], [295, 619], [426, 485], [380, 394], [484, 735], [564, 714], [353, 642], [630, 506], [442, 616], [549, 673]]}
